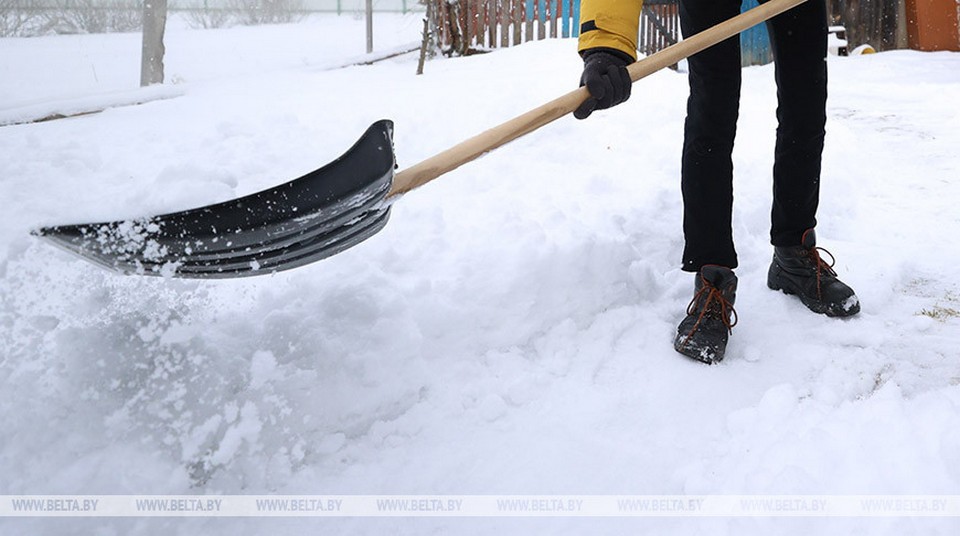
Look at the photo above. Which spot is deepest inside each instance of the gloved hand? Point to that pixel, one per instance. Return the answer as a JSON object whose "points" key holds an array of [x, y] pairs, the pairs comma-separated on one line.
{"points": [[605, 75]]}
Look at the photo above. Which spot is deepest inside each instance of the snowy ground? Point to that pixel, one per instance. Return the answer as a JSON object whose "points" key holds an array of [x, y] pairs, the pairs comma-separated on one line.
{"points": [[508, 332]]}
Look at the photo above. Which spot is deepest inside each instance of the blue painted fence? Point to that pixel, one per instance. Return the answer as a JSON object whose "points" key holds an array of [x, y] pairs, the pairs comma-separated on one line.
{"points": [[755, 42]]}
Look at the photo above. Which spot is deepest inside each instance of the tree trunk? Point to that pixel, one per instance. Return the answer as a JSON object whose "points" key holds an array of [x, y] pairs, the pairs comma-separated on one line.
{"points": [[154, 24], [427, 19], [369, 11]]}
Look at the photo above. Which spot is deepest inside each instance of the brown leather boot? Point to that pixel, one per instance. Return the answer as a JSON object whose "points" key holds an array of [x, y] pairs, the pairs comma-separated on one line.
{"points": [[703, 334]]}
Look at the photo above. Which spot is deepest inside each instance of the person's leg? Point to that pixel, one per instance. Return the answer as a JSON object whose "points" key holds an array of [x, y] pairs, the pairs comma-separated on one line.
{"points": [[709, 131], [707, 183], [798, 39]]}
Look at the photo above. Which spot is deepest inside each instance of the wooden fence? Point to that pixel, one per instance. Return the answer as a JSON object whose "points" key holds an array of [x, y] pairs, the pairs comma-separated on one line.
{"points": [[879, 23], [469, 26], [659, 25]]}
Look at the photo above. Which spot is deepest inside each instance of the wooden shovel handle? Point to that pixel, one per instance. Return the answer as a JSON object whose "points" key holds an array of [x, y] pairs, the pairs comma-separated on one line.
{"points": [[468, 150]]}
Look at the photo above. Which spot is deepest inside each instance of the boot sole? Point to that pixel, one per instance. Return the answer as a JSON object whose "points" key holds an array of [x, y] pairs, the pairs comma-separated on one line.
{"points": [[774, 282]]}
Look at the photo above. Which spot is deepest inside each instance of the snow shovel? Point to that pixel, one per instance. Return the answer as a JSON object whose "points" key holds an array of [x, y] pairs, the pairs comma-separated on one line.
{"points": [[330, 209]]}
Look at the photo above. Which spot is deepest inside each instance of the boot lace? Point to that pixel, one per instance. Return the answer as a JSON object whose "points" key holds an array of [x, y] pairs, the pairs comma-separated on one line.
{"points": [[821, 265], [714, 305]]}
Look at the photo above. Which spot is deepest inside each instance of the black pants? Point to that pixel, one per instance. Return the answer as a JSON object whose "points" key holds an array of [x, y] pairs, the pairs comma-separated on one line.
{"points": [[799, 43]]}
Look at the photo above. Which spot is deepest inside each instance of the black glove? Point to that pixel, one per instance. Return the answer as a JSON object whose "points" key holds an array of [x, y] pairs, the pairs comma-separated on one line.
{"points": [[605, 75]]}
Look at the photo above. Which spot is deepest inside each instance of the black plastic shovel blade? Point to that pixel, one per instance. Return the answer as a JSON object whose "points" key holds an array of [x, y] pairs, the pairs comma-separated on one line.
{"points": [[318, 215]]}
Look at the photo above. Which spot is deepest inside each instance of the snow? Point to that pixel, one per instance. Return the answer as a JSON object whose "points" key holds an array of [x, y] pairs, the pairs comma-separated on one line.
{"points": [[509, 331]]}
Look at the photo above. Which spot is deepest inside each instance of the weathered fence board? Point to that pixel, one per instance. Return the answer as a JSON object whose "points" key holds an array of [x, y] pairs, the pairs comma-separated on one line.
{"points": [[755, 42]]}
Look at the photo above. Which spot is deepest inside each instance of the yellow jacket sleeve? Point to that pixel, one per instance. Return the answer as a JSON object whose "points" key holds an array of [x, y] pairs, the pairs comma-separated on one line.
{"points": [[610, 24]]}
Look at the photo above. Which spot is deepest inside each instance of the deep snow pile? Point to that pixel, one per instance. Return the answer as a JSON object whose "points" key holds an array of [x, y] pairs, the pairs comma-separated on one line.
{"points": [[509, 331]]}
